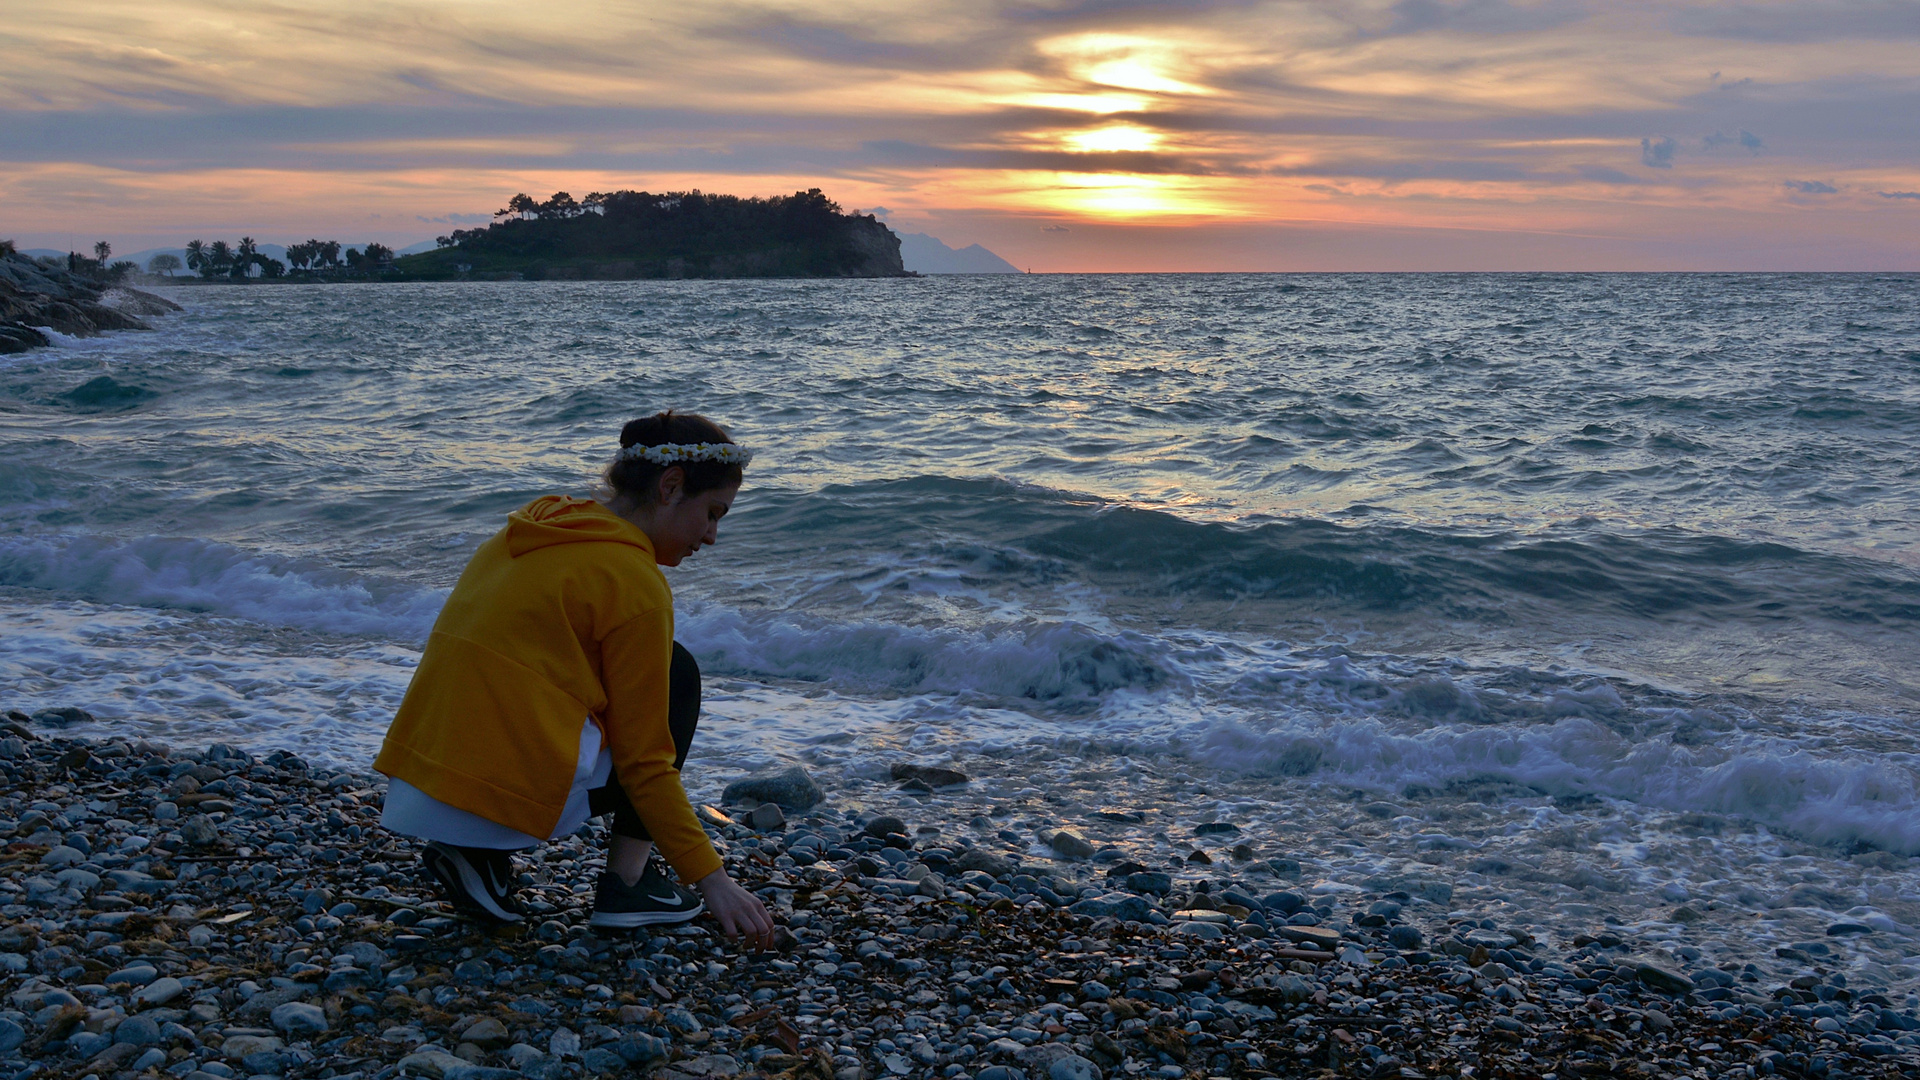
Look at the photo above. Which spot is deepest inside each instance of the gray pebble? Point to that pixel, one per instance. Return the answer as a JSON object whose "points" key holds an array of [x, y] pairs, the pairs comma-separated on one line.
{"points": [[137, 1031], [132, 975], [299, 1018], [638, 1049], [1073, 1067], [88, 1043], [884, 825]]}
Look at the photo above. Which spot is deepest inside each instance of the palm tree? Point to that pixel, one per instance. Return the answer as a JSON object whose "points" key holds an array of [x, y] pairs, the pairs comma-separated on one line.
{"points": [[196, 255], [243, 258], [298, 255], [219, 259], [100, 252], [330, 251]]}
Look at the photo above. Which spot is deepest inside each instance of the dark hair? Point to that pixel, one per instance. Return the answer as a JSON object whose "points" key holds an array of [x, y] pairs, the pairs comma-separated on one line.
{"points": [[637, 477]]}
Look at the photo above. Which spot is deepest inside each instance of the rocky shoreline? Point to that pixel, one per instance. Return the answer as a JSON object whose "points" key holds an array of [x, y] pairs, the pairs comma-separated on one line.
{"points": [[210, 914], [34, 299]]}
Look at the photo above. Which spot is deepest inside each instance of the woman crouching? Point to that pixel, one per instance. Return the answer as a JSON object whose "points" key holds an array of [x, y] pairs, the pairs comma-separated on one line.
{"points": [[551, 690]]}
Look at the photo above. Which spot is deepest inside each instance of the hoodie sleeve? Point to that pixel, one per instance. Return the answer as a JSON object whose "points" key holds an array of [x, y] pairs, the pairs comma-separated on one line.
{"points": [[635, 659]]}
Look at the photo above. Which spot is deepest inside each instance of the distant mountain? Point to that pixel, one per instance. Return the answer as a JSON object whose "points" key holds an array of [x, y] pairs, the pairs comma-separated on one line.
{"points": [[924, 254]]}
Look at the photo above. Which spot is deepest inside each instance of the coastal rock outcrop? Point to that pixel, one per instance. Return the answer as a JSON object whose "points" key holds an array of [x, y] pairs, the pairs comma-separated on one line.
{"points": [[35, 297]]}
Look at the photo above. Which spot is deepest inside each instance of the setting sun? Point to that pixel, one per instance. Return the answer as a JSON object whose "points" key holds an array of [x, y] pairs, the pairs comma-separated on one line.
{"points": [[1119, 137]]}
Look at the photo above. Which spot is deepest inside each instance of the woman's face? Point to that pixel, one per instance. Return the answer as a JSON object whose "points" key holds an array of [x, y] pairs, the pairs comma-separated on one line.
{"points": [[686, 523]]}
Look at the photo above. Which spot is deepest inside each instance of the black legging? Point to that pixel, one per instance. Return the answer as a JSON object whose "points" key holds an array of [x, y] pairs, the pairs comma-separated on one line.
{"points": [[683, 715]]}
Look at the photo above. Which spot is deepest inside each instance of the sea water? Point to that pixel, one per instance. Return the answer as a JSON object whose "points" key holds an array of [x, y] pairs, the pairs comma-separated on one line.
{"points": [[1622, 571]]}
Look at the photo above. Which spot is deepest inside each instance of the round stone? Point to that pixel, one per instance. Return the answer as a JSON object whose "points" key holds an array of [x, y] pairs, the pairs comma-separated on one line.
{"points": [[137, 1031], [299, 1018], [160, 991], [133, 975], [1073, 1067]]}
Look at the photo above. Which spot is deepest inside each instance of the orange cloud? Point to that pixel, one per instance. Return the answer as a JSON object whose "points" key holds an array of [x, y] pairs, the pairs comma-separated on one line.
{"points": [[1495, 114]]}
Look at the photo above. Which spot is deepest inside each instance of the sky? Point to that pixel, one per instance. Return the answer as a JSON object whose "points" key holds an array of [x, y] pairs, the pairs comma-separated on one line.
{"points": [[1066, 135]]}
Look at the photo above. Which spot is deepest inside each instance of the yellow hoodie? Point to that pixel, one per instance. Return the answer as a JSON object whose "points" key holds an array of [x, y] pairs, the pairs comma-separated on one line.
{"points": [[560, 616]]}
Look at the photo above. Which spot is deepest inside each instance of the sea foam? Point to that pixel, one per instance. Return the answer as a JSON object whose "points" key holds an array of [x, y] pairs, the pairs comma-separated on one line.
{"points": [[207, 576]]}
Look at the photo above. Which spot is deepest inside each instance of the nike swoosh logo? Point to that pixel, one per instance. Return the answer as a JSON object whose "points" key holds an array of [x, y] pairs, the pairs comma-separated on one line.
{"points": [[493, 880], [674, 900]]}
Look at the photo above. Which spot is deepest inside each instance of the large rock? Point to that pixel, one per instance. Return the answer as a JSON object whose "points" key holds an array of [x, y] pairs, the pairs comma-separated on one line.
{"points": [[35, 296], [15, 338], [1664, 980], [134, 302], [1071, 845], [1150, 882], [984, 861], [883, 826], [932, 776], [790, 787]]}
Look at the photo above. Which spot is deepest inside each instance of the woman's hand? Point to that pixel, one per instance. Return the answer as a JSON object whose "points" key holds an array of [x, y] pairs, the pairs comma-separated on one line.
{"points": [[741, 913]]}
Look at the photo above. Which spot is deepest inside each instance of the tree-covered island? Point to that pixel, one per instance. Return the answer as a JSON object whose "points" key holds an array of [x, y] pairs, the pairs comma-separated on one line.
{"points": [[689, 234]]}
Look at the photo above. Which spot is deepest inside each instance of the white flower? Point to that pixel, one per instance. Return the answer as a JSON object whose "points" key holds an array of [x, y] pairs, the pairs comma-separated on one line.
{"points": [[676, 453]]}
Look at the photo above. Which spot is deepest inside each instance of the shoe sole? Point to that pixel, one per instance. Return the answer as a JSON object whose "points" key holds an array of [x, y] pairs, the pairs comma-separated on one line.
{"points": [[463, 883], [626, 920]]}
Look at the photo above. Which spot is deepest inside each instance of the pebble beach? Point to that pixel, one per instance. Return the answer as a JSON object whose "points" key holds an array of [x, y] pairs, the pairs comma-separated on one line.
{"points": [[217, 913]]}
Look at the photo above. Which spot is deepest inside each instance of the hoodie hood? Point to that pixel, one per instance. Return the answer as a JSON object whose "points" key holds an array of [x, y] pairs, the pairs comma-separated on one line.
{"points": [[563, 519]]}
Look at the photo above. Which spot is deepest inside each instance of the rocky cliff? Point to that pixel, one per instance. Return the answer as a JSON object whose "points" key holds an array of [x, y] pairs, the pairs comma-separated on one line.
{"points": [[35, 297]]}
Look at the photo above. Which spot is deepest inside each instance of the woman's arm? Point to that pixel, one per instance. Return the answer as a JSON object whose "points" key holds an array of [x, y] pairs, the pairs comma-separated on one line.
{"points": [[635, 659]]}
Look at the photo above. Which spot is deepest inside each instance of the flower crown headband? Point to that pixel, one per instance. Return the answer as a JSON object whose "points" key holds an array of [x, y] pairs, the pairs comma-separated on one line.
{"points": [[684, 453]]}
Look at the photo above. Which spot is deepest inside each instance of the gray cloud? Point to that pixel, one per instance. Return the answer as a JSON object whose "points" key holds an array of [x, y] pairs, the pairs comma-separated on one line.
{"points": [[1802, 22], [1604, 175], [1809, 187], [1657, 154], [1496, 171], [1745, 139], [1481, 16], [848, 46], [1898, 194]]}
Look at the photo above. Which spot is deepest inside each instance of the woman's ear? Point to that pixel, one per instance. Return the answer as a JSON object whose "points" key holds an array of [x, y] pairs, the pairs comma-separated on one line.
{"points": [[672, 485]]}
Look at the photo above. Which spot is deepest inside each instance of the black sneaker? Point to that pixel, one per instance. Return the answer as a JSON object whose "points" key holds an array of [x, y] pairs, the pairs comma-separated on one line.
{"points": [[479, 881], [654, 900]]}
